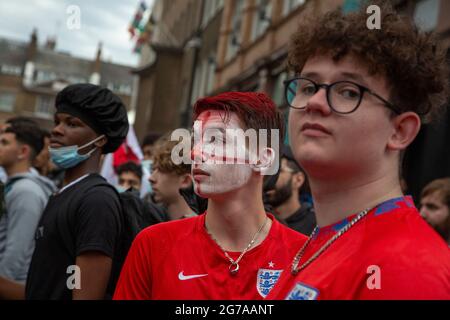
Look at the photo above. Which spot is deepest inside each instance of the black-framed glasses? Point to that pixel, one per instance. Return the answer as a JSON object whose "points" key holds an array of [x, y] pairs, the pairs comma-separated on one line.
{"points": [[343, 96]]}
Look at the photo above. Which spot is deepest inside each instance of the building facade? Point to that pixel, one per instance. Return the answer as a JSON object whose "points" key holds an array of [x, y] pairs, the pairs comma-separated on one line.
{"points": [[32, 75], [242, 45]]}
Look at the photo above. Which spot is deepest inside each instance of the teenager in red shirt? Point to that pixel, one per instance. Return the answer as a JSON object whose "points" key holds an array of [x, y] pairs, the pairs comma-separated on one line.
{"points": [[356, 103], [234, 250]]}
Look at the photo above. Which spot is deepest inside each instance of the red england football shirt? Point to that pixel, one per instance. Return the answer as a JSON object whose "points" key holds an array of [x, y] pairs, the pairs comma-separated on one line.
{"points": [[178, 260], [389, 254]]}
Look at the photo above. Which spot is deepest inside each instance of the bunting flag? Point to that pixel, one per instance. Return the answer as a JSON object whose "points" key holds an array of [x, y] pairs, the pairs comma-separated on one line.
{"points": [[128, 151], [139, 29], [137, 19]]}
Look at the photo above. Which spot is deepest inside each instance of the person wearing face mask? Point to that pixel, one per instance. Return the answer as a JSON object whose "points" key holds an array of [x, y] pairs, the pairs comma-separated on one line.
{"points": [[235, 250], [78, 235], [129, 176]]}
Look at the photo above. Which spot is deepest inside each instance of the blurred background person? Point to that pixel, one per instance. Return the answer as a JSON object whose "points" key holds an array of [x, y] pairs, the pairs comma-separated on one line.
{"points": [[26, 195], [286, 197], [167, 179], [42, 163], [147, 162], [130, 176], [148, 145], [435, 206]]}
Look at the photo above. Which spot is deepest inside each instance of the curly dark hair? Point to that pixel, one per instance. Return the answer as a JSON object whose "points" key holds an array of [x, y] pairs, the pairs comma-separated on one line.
{"points": [[132, 167], [412, 61]]}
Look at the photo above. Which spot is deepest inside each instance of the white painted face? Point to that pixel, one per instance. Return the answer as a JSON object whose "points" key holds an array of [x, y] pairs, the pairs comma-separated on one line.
{"points": [[211, 174]]}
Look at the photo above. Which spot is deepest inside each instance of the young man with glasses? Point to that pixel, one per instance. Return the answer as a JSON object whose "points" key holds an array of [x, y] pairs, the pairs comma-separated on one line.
{"points": [[357, 103]]}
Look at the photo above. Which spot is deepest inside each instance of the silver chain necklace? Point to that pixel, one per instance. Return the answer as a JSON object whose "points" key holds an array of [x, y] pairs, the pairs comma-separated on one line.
{"points": [[234, 266], [295, 269]]}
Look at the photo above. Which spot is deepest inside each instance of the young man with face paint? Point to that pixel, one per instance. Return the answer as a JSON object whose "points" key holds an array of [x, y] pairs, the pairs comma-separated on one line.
{"points": [[233, 250], [357, 102], [78, 237]]}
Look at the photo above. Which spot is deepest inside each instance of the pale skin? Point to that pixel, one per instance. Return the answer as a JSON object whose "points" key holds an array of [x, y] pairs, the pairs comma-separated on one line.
{"points": [[355, 165], [166, 188], [235, 210]]}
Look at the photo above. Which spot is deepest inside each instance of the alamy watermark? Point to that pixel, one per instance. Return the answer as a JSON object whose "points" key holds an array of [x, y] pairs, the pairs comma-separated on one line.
{"points": [[73, 21], [374, 21], [227, 146]]}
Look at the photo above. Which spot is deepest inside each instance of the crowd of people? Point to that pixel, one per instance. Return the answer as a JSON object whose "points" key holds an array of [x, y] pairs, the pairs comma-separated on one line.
{"points": [[334, 210]]}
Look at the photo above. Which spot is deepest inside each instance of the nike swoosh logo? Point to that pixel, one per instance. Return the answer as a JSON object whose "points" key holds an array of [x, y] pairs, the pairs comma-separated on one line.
{"points": [[182, 277]]}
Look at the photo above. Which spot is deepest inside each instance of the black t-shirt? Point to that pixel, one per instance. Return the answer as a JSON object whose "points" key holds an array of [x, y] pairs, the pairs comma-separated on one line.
{"points": [[303, 220], [84, 217]]}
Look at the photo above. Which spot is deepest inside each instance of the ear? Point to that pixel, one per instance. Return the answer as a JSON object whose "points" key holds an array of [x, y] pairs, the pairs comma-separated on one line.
{"points": [[24, 152], [265, 162], [186, 180], [406, 128], [298, 180], [100, 143]]}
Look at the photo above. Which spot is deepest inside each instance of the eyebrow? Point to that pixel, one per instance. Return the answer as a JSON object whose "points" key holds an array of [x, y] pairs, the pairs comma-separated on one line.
{"points": [[346, 75]]}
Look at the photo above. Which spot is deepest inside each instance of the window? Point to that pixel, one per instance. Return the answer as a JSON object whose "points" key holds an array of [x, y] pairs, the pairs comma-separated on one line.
{"points": [[426, 14], [261, 18], [210, 10], [7, 100], [74, 79], [290, 5], [204, 78], [196, 86], [234, 38], [44, 76], [211, 70], [125, 89], [278, 89], [45, 107], [12, 70]]}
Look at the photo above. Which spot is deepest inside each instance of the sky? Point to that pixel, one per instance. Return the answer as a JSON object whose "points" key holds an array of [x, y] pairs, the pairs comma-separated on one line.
{"points": [[103, 21]]}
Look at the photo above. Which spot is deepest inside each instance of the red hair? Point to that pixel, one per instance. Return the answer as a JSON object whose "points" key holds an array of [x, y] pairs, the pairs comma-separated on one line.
{"points": [[255, 109]]}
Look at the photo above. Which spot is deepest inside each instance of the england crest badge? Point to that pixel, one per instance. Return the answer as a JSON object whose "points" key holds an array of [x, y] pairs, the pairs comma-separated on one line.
{"points": [[302, 292], [266, 279]]}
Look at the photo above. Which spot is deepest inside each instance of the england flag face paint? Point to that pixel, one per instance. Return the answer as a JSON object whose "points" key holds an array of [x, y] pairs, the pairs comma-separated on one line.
{"points": [[219, 164]]}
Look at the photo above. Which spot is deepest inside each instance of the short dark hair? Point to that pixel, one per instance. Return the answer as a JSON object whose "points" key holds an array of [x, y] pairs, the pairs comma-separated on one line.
{"points": [[28, 134], [294, 166], [45, 133], [150, 139], [132, 167], [413, 62], [21, 120]]}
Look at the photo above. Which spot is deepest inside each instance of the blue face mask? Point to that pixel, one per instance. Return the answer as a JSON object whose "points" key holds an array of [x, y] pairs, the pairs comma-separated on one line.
{"points": [[68, 157], [120, 189], [147, 164]]}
